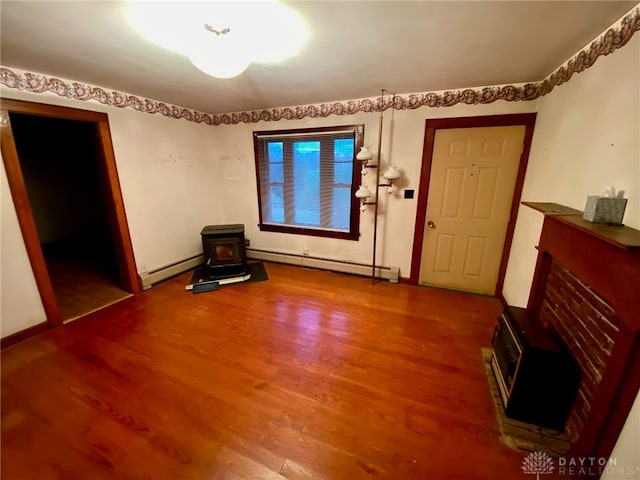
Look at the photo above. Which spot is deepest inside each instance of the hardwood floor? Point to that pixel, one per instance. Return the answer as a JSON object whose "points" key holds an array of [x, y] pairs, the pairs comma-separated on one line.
{"points": [[309, 375], [81, 282], [81, 289]]}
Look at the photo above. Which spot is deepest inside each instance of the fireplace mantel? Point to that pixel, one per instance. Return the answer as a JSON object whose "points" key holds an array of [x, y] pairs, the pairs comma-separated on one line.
{"points": [[599, 263]]}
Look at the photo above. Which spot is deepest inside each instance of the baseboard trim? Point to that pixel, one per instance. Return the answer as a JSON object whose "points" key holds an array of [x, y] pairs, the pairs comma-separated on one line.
{"points": [[24, 334], [147, 279], [389, 273]]}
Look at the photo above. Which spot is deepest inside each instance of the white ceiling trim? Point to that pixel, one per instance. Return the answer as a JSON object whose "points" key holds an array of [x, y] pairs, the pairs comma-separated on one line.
{"points": [[614, 38]]}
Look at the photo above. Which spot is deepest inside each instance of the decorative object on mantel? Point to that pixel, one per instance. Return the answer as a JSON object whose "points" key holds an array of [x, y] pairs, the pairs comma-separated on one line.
{"points": [[607, 208], [617, 235]]}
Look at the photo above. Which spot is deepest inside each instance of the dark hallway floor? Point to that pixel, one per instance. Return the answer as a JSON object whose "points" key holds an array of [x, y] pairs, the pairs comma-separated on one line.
{"points": [[82, 284]]}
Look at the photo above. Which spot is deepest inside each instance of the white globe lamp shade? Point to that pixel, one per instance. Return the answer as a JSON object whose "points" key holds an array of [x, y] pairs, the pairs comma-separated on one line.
{"points": [[221, 56], [214, 66], [364, 155], [392, 173], [363, 193]]}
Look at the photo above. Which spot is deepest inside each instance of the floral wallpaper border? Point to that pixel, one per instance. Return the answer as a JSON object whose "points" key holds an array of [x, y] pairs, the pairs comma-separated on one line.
{"points": [[614, 38]]}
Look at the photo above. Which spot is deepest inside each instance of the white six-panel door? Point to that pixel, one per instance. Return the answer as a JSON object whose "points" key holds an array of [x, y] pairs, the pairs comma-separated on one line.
{"points": [[473, 177]]}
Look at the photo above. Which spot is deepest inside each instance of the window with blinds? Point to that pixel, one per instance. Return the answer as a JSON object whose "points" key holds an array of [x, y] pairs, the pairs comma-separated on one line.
{"points": [[306, 181]]}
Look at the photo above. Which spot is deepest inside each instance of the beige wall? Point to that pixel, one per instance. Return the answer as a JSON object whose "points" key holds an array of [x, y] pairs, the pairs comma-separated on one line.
{"points": [[167, 172], [20, 304], [403, 136], [586, 136], [626, 453]]}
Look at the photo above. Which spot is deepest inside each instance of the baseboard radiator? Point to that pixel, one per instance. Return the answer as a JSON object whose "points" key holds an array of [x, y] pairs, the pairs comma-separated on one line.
{"points": [[147, 279], [388, 273]]}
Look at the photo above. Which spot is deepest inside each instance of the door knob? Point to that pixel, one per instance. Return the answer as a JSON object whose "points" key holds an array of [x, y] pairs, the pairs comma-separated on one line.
{"points": [[430, 224]]}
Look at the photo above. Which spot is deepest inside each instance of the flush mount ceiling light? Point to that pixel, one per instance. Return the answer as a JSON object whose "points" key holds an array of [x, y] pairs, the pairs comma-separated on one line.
{"points": [[221, 38]]}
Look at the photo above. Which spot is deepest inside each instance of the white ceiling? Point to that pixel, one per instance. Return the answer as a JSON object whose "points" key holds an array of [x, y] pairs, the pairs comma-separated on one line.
{"points": [[356, 49]]}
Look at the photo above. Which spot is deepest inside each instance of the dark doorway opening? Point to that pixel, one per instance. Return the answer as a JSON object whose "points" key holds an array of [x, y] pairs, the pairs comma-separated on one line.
{"points": [[60, 164], [111, 194]]}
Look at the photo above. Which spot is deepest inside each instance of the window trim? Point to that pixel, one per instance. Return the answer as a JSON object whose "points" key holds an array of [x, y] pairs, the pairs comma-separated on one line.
{"points": [[354, 217]]}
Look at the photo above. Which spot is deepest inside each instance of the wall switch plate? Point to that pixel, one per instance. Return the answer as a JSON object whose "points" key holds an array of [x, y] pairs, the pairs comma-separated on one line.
{"points": [[408, 194]]}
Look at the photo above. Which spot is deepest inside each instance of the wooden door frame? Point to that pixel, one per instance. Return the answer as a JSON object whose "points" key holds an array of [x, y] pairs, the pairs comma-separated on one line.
{"points": [[431, 125], [114, 205]]}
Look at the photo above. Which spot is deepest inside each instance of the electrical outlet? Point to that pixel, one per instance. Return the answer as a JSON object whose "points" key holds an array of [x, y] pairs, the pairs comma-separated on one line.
{"points": [[305, 252]]}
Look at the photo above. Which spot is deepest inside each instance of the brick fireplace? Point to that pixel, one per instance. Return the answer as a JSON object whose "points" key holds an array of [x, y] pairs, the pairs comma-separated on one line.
{"points": [[586, 325], [585, 289]]}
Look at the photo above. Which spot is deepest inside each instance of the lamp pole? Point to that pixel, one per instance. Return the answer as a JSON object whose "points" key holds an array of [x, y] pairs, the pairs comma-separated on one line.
{"points": [[375, 210]]}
